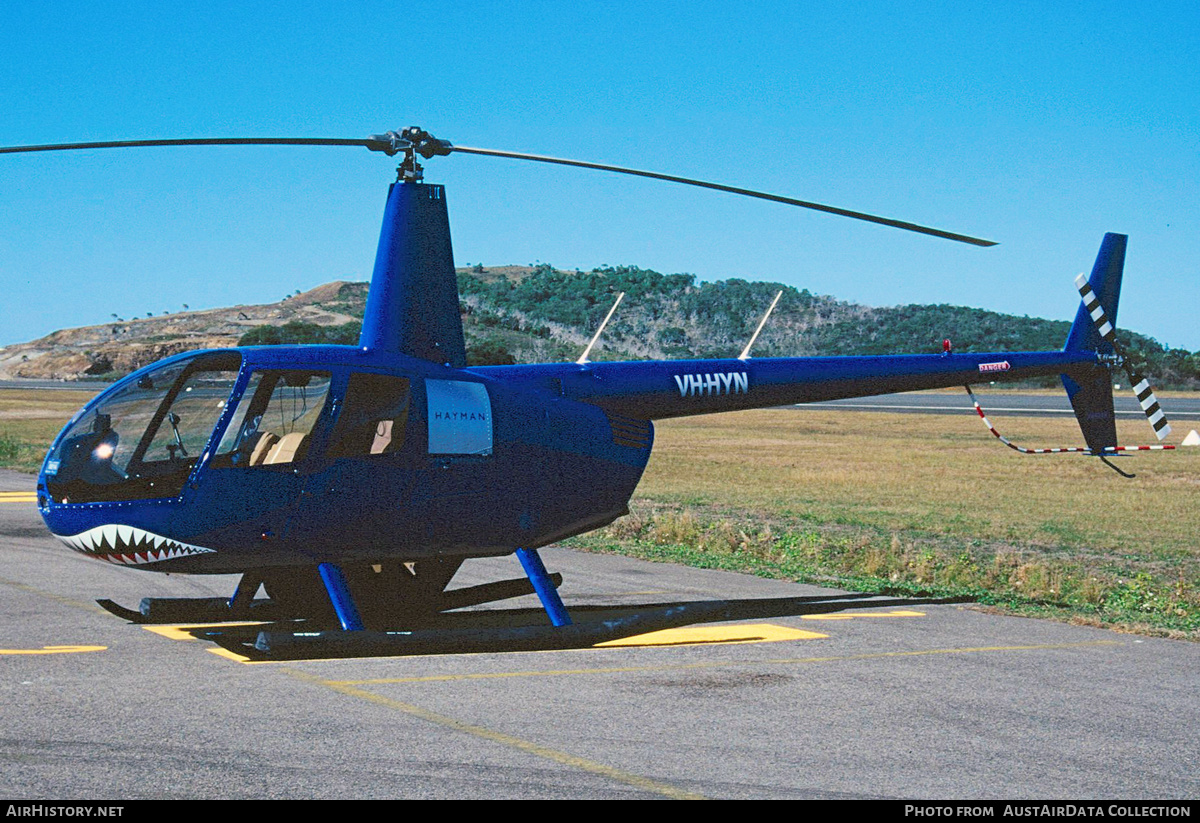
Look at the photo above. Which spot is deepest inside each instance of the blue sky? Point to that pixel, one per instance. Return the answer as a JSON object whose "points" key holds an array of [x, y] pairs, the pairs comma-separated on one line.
{"points": [[1041, 126]]}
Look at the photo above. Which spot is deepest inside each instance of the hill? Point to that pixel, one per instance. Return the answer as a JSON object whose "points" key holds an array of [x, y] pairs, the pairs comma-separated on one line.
{"points": [[122, 346], [528, 314]]}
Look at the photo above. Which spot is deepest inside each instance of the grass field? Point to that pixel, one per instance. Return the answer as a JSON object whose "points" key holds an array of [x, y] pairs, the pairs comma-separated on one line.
{"points": [[927, 503], [29, 421], [884, 502]]}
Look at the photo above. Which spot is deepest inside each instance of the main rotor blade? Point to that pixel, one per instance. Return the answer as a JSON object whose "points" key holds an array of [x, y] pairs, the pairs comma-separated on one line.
{"points": [[392, 143], [857, 215], [200, 141]]}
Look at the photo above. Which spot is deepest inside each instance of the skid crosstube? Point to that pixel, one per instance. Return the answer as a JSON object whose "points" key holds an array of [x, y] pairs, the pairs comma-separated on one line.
{"points": [[242, 606]]}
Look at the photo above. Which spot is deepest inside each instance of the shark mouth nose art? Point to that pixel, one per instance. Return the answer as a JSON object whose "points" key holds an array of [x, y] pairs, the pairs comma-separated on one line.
{"points": [[129, 545]]}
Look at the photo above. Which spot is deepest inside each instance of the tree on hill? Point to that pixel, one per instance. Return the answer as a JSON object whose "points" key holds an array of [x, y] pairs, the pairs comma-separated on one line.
{"points": [[297, 332]]}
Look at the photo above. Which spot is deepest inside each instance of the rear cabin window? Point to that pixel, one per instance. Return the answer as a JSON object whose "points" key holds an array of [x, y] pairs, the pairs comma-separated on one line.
{"points": [[374, 416]]}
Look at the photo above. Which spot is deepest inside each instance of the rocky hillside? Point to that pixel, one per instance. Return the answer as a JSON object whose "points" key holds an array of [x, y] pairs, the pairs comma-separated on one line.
{"points": [[528, 314], [123, 346]]}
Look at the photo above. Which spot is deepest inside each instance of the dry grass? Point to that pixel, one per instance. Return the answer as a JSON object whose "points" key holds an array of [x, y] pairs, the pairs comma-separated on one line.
{"points": [[29, 421], [928, 502], [931, 472]]}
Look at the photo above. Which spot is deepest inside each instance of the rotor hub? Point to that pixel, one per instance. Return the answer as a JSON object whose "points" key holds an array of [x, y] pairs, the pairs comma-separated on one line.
{"points": [[411, 141]]}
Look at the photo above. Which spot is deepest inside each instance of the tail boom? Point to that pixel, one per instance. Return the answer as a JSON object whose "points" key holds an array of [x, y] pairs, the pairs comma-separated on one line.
{"points": [[679, 388]]}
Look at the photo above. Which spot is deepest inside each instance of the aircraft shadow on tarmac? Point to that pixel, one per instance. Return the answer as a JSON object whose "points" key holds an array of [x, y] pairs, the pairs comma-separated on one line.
{"points": [[512, 630]]}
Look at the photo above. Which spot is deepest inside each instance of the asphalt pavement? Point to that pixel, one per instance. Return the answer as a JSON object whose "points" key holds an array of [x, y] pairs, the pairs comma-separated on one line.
{"points": [[851, 700]]}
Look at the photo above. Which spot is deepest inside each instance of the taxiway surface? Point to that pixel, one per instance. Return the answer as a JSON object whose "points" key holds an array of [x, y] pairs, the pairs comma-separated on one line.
{"points": [[905, 702]]}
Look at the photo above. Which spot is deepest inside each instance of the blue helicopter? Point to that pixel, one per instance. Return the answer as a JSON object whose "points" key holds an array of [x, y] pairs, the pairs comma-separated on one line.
{"points": [[351, 482]]}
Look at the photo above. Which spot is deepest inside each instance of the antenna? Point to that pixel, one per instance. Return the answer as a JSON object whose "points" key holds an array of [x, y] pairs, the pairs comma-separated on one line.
{"points": [[583, 358], [746, 351]]}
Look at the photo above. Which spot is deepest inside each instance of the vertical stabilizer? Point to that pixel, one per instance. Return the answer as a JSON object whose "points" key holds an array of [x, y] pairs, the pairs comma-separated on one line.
{"points": [[412, 307], [1106, 285], [1091, 392]]}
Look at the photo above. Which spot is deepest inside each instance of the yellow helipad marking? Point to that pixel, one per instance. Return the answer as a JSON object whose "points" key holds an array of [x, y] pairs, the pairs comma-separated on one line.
{"points": [[740, 633], [18, 497], [896, 613], [619, 775], [689, 636], [182, 631], [55, 650], [237, 658]]}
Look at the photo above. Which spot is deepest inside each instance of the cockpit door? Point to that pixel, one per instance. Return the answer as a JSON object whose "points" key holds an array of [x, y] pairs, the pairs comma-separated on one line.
{"points": [[254, 482], [357, 498]]}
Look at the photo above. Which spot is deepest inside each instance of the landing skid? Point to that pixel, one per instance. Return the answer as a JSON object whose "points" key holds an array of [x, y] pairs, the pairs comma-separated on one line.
{"points": [[243, 607], [431, 623], [156, 610]]}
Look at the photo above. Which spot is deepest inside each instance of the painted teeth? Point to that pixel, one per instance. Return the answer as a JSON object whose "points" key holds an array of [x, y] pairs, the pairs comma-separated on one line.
{"points": [[129, 545]]}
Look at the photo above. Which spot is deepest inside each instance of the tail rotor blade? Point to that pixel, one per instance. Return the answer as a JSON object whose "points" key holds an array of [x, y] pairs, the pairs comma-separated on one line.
{"points": [[1141, 386], [1092, 303], [1149, 404]]}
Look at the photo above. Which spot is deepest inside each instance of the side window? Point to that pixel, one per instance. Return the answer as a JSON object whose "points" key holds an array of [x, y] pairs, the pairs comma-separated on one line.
{"points": [[237, 432], [274, 419], [460, 417], [374, 417]]}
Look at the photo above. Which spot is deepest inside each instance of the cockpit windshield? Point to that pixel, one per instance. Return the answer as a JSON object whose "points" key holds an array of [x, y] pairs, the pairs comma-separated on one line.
{"points": [[143, 439]]}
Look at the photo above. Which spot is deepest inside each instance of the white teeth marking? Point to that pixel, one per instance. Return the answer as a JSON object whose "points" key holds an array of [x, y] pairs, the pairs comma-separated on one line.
{"points": [[129, 545]]}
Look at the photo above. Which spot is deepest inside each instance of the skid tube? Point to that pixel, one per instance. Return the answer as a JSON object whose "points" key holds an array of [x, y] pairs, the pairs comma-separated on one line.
{"points": [[465, 641], [156, 610]]}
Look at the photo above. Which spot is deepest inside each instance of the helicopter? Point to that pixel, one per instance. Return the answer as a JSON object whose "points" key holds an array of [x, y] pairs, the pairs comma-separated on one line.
{"points": [[350, 483]]}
